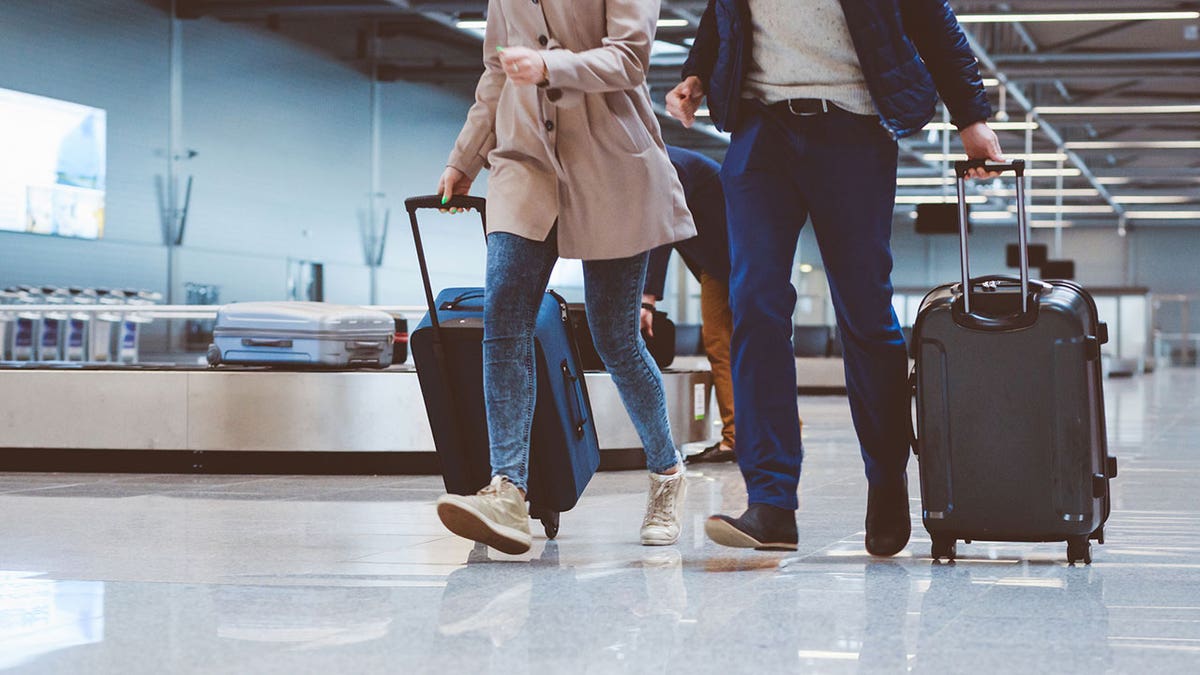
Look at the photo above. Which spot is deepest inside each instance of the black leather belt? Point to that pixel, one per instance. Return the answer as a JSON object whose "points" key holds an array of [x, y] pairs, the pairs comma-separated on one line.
{"points": [[802, 107]]}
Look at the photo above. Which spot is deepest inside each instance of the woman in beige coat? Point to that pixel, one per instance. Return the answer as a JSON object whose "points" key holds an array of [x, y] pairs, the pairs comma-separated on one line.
{"points": [[563, 121]]}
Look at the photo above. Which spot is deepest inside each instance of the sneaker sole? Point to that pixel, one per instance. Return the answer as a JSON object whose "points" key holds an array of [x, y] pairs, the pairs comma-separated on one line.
{"points": [[469, 523], [721, 532], [681, 499]]}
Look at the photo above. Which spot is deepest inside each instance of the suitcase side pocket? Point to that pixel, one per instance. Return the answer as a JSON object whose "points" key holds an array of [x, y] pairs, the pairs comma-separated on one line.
{"points": [[1071, 463], [574, 399], [934, 418]]}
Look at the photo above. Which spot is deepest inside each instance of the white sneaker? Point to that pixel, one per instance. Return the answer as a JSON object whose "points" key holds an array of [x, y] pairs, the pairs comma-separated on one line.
{"points": [[661, 526], [496, 516]]}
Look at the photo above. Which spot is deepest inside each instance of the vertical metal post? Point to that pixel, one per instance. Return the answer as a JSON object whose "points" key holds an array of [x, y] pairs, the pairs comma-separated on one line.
{"points": [[376, 180], [1029, 122], [946, 177], [1058, 218], [174, 141], [174, 147]]}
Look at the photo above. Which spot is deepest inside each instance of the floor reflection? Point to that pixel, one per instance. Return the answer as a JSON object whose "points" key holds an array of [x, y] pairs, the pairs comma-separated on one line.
{"points": [[39, 616]]}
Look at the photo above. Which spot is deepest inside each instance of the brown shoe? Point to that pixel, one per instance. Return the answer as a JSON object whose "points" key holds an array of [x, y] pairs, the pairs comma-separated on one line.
{"points": [[713, 454]]}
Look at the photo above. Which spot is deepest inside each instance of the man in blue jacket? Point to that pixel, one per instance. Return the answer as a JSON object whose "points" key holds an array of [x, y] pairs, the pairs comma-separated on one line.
{"points": [[815, 94], [707, 257]]}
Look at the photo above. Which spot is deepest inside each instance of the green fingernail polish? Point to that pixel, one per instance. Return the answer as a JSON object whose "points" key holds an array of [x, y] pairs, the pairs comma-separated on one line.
{"points": [[445, 198], [499, 48]]}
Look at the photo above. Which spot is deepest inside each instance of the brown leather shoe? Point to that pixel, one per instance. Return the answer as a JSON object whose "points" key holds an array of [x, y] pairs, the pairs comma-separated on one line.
{"points": [[713, 454]]}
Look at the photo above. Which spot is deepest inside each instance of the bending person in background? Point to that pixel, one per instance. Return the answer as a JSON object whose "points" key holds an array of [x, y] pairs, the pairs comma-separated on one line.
{"points": [[563, 121], [707, 257]]}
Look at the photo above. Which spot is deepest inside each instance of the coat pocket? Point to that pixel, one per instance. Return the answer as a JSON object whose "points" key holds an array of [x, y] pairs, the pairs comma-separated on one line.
{"points": [[619, 125]]}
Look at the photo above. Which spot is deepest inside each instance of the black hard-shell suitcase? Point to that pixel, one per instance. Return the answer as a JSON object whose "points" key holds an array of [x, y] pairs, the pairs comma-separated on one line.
{"points": [[661, 346], [447, 348], [1010, 433]]}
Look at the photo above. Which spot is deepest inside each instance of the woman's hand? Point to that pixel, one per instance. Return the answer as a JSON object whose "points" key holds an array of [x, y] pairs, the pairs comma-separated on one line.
{"points": [[523, 65], [453, 183]]}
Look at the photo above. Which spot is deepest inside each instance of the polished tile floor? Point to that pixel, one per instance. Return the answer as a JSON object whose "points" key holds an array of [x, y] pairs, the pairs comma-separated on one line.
{"points": [[252, 574]]}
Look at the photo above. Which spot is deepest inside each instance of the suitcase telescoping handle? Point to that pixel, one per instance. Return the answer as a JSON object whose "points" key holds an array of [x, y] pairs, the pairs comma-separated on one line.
{"points": [[414, 204], [960, 170]]}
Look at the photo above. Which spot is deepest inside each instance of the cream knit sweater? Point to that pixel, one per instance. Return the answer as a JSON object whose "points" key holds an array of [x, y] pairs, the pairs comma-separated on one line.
{"points": [[802, 49]]}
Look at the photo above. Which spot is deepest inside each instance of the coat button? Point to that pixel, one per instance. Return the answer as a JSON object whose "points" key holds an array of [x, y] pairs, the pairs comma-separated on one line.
{"points": [[549, 125], [553, 93], [543, 40]]}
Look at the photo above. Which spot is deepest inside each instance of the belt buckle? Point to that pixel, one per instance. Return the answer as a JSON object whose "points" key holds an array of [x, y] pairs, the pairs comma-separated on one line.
{"points": [[791, 109]]}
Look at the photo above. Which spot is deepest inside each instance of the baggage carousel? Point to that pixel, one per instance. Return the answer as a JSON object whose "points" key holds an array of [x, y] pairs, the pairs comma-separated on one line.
{"points": [[189, 418]]}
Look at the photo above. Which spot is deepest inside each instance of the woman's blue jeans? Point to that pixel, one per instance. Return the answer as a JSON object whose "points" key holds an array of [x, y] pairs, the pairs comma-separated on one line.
{"points": [[518, 270]]}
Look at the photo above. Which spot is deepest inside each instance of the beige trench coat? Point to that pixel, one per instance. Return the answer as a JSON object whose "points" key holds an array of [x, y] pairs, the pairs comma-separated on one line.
{"points": [[584, 149]]}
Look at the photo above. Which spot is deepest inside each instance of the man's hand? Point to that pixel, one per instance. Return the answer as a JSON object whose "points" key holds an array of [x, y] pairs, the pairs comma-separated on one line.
{"points": [[647, 320], [980, 142], [684, 100], [523, 65], [452, 183]]}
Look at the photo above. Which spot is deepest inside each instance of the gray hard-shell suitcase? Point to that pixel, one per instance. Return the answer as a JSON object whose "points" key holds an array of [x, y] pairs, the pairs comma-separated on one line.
{"points": [[1009, 432], [302, 334]]}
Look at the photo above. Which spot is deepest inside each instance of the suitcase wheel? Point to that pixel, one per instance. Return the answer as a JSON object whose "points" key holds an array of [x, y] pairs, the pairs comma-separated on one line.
{"points": [[1079, 549], [213, 355], [550, 524], [1098, 535], [944, 547]]}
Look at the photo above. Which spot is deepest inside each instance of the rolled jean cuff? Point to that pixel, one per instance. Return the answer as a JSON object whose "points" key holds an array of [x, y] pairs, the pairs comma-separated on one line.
{"points": [[676, 461]]}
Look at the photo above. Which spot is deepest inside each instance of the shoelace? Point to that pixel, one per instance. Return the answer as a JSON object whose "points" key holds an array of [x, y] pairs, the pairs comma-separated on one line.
{"points": [[492, 488], [662, 504]]}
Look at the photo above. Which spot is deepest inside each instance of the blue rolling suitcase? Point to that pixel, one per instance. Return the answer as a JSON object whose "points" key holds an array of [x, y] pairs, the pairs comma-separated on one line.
{"points": [[447, 348], [1010, 432]]}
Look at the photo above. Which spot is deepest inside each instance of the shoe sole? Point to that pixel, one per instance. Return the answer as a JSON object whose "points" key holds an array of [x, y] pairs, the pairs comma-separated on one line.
{"points": [[681, 499], [469, 523], [721, 532]]}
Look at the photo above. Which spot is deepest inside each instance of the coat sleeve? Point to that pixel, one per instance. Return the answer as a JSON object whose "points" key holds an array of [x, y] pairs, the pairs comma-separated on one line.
{"points": [[656, 271], [622, 60], [703, 56], [478, 135], [940, 41]]}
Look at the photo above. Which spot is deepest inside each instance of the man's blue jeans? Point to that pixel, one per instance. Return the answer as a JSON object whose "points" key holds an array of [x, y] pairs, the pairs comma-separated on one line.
{"points": [[518, 270], [840, 169]]}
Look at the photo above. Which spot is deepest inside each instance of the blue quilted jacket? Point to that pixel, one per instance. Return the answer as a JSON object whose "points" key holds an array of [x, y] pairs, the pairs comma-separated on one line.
{"points": [[909, 50]]}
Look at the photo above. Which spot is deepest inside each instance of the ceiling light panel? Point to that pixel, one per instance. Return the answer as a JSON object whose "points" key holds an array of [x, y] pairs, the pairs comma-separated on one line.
{"points": [[1077, 17]]}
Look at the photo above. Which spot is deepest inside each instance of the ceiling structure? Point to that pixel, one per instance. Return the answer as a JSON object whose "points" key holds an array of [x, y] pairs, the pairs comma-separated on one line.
{"points": [[1111, 89]]}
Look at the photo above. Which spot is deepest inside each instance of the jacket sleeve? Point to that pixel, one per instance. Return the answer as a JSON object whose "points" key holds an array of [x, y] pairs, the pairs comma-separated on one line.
{"points": [[478, 135], [656, 271], [703, 55], [622, 60], [940, 41]]}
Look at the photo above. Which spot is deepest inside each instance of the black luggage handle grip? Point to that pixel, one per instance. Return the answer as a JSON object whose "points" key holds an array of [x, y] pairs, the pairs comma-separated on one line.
{"points": [[414, 204], [1006, 279], [961, 167]]}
